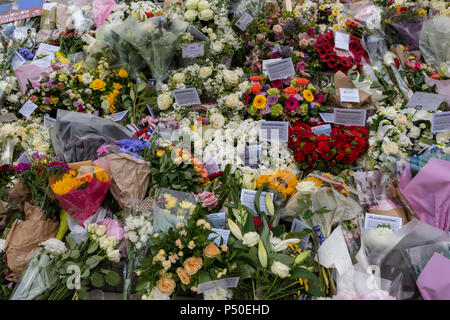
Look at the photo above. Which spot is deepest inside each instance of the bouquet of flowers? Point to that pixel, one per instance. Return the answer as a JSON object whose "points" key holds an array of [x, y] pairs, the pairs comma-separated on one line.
{"points": [[290, 99], [337, 152], [340, 60], [140, 10], [81, 192]]}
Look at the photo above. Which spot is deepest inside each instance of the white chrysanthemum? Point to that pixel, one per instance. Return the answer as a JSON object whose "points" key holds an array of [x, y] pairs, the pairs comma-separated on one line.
{"points": [[155, 294], [218, 294], [54, 245]]}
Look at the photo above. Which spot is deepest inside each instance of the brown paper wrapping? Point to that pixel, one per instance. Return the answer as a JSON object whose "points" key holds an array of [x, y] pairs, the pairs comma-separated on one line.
{"points": [[129, 178], [18, 195], [342, 81], [395, 193], [401, 54], [25, 237], [272, 6]]}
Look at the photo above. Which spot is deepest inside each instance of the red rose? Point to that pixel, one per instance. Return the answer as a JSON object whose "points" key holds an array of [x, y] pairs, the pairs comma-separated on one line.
{"points": [[323, 147], [299, 157], [309, 148]]}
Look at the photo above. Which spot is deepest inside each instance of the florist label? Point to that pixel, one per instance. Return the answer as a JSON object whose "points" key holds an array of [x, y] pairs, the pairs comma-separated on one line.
{"points": [[248, 199], [244, 21], [342, 40], [24, 158], [350, 117], [46, 50], [280, 69], [252, 156], [222, 283], [211, 165], [193, 50], [197, 34], [320, 130], [49, 122], [427, 101], [218, 220], [440, 122], [118, 116], [27, 109], [186, 97], [374, 220], [349, 95], [327, 117], [274, 131], [267, 62], [219, 235]]}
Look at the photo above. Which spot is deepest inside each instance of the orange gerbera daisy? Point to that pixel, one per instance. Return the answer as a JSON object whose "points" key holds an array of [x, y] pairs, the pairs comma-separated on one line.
{"points": [[301, 81], [255, 78], [290, 91]]}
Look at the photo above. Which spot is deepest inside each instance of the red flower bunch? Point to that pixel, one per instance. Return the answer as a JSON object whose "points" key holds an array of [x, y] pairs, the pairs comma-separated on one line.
{"points": [[336, 60], [258, 221], [335, 152]]}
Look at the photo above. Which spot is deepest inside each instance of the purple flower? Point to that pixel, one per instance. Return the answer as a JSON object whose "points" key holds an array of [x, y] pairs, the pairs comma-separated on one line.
{"points": [[50, 84], [133, 146], [276, 48], [22, 167], [300, 66], [286, 51], [288, 80], [47, 100], [271, 100], [310, 32], [266, 109]]}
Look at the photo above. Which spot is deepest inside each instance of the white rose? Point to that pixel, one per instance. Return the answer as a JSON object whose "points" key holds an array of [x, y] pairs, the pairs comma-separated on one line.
{"points": [[191, 4], [54, 245], [206, 15], [203, 5], [232, 100], [164, 101], [307, 187], [217, 46], [400, 120], [205, 72], [389, 147], [414, 133], [190, 15], [105, 106], [217, 120], [87, 78], [113, 255], [179, 77], [230, 77], [100, 230], [250, 239], [390, 113], [280, 269]]}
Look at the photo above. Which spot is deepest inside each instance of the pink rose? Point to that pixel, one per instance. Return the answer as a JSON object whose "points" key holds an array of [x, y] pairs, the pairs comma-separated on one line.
{"points": [[278, 29], [113, 229], [208, 199]]}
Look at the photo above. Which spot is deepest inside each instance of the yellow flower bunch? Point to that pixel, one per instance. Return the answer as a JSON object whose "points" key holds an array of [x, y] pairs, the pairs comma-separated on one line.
{"points": [[281, 180], [61, 58], [68, 182], [122, 73], [100, 174]]}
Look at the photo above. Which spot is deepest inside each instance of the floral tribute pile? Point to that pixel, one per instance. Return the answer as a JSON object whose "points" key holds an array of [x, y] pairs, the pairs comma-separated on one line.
{"points": [[225, 150]]}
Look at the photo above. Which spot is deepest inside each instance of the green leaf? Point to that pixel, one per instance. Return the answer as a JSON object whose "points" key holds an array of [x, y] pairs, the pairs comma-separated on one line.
{"points": [[203, 276], [112, 278], [257, 201], [71, 242], [93, 261], [283, 258], [141, 86], [265, 233], [132, 94], [245, 271], [97, 280], [86, 273], [75, 254], [93, 247]]}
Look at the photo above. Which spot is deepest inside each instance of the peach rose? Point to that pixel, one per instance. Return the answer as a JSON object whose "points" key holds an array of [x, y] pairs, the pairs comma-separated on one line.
{"points": [[277, 29], [166, 285], [184, 277], [192, 265], [211, 250]]}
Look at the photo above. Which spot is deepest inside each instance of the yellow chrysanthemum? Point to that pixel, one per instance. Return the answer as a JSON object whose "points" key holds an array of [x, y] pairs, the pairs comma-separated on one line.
{"points": [[100, 174], [123, 73], [308, 95], [259, 102], [98, 85]]}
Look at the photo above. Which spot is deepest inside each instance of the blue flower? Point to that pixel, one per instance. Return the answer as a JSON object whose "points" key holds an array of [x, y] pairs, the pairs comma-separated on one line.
{"points": [[133, 146]]}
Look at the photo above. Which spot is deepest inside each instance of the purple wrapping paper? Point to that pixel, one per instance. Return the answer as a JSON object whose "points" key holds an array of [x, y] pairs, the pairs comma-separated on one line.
{"points": [[434, 280], [409, 31], [428, 193]]}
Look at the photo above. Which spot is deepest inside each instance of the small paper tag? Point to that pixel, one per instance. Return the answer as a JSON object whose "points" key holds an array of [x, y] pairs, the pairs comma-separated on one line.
{"points": [[327, 117], [342, 40], [17, 60], [244, 21], [222, 283], [211, 165], [44, 62], [218, 220], [427, 101], [24, 158], [372, 221], [320, 130], [118, 116], [349, 95], [193, 50], [280, 69], [440, 122], [49, 122], [219, 235], [248, 199], [27, 109], [186, 97], [197, 34], [47, 50], [274, 131], [350, 117], [267, 62], [252, 156]]}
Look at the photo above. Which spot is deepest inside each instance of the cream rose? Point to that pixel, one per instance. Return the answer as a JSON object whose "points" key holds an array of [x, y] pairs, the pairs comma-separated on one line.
{"points": [[184, 277], [164, 101], [204, 72], [190, 15], [232, 100], [203, 5], [179, 77], [206, 15], [217, 46], [191, 4], [113, 255], [250, 239], [166, 285], [192, 265], [217, 120], [389, 147], [230, 77], [390, 113], [280, 269], [307, 187], [400, 120]]}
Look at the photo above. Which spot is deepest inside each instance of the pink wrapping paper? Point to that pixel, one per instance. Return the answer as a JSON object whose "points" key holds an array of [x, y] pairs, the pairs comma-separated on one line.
{"points": [[442, 86], [29, 72], [102, 9], [81, 204], [434, 280], [428, 193]]}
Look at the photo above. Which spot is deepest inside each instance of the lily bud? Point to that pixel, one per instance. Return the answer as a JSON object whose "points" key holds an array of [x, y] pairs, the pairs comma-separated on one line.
{"points": [[302, 256], [234, 228], [262, 254], [284, 244], [269, 205]]}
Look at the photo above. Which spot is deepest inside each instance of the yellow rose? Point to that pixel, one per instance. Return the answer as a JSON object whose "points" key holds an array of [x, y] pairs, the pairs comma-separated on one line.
{"points": [[98, 84], [192, 265], [123, 73], [166, 285], [184, 277], [211, 250], [117, 86]]}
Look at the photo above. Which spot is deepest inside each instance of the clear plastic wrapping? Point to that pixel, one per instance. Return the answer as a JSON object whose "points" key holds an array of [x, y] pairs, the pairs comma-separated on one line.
{"points": [[435, 42]]}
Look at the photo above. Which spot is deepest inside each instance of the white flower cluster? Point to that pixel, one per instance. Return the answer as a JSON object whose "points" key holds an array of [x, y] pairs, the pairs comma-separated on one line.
{"points": [[31, 136], [98, 232], [136, 9], [54, 246], [400, 133], [2, 245], [218, 294], [155, 294], [138, 229], [228, 147]]}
